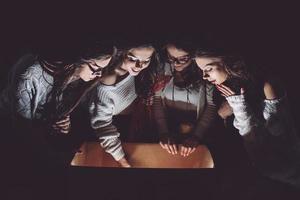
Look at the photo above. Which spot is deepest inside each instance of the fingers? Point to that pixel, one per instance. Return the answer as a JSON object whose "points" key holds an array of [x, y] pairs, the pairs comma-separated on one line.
{"points": [[166, 147], [124, 163], [65, 131], [65, 128], [193, 149], [162, 145], [242, 90], [182, 150], [172, 148], [63, 121], [186, 151], [169, 145], [226, 91]]}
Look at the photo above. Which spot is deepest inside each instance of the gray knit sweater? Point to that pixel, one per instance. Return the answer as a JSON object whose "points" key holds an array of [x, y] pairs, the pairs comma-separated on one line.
{"points": [[107, 102], [27, 92]]}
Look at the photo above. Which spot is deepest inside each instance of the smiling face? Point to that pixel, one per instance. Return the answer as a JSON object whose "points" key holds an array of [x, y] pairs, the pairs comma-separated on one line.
{"points": [[178, 58], [213, 69], [137, 59], [92, 68]]}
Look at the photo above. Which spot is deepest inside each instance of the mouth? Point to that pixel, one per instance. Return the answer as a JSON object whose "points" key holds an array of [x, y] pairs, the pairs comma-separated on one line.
{"points": [[136, 71], [213, 81]]}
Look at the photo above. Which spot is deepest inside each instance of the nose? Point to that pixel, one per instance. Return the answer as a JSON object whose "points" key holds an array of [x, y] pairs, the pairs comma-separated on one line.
{"points": [[138, 64], [176, 64], [205, 76], [98, 74]]}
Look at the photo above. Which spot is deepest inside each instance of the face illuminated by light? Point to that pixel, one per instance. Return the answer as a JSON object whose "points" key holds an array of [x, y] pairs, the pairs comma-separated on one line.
{"points": [[213, 69], [178, 58], [137, 59], [93, 68]]}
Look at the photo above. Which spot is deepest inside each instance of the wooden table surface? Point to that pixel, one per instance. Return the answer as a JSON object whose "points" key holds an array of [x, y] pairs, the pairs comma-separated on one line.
{"points": [[142, 155]]}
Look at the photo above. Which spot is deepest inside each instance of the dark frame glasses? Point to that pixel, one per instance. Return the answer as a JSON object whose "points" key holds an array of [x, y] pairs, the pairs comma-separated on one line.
{"points": [[97, 72], [181, 60]]}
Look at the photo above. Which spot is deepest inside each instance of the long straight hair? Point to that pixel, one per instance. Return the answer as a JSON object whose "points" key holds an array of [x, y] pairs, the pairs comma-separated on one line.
{"points": [[146, 78], [64, 73]]}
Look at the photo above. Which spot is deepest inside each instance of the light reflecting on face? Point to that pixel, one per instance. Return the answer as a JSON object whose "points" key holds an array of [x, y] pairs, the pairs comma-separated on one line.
{"points": [[93, 68], [137, 59], [179, 59], [213, 69]]}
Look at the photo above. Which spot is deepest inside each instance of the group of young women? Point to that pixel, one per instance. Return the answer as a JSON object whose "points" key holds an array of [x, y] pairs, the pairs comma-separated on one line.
{"points": [[167, 90]]}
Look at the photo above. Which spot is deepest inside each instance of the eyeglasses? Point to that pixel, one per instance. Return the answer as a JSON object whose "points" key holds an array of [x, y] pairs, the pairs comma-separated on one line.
{"points": [[180, 60], [96, 72], [139, 63]]}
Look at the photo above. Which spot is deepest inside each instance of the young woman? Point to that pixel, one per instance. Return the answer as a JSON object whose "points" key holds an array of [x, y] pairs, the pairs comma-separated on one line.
{"points": [[183, 106], [117, 95], [44, 90], [260, 111]]}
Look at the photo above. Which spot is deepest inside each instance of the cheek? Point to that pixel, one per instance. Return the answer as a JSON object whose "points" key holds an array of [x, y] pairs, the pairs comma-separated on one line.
{"points": [[145, 66], [221, 76], [185, 65], [82, 72], [128, 65]]}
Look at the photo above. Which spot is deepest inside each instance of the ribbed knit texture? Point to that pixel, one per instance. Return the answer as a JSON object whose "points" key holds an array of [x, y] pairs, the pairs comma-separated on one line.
{"points": [[28, 93], [110, 101]]}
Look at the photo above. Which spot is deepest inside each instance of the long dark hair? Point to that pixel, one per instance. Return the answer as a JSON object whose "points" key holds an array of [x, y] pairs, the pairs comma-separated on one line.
{"points": [[146, 78], [68, 90], [241, 74], [191, 75]]}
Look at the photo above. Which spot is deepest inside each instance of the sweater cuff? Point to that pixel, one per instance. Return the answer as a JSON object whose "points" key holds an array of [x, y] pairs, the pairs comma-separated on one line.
{"points": [[236, 99], [118, 154], [237, 103]]}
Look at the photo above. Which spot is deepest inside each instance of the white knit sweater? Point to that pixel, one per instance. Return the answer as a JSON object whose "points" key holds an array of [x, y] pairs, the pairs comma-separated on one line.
{"points": [[110, 101]]}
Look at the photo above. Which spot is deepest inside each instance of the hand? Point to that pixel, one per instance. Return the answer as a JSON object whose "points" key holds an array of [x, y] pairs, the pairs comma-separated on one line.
{"points": [[168, 143], [63, 125], [226, 91], [124, 163], [225, 110], [189, 145]]}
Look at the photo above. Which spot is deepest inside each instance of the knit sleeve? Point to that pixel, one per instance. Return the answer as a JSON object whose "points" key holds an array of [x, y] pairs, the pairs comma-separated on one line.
{"points": [[207, 117], [159, 113], [26, 96], [244, 120], [101, 111], [277, 116]]}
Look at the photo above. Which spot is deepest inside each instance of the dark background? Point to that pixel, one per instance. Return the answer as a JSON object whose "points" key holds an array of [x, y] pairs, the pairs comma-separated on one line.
{"points": [[267, 33]]}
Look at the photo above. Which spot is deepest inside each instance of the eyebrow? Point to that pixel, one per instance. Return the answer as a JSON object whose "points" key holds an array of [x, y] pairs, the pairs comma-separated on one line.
{"points": [[130, 54], [94, 64], [212, 63]]}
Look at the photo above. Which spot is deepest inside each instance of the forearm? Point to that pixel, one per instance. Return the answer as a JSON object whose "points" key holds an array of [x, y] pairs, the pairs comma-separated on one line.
{"points": [[110, 142], [278, 118], [205, 121], [159, 115], [244, 120]]}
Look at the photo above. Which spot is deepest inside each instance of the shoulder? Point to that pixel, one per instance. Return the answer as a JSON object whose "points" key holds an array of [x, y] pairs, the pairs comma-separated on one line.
{"points": [[273, 89], [103, 92]]}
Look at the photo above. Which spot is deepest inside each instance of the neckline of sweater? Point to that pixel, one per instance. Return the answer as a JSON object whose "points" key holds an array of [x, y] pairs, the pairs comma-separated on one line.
{"points": [[116, 85]]}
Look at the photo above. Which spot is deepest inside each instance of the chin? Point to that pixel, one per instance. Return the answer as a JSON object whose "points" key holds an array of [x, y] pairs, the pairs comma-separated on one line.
{"points": [[178, 69], [86, 79], [132, 73]]}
